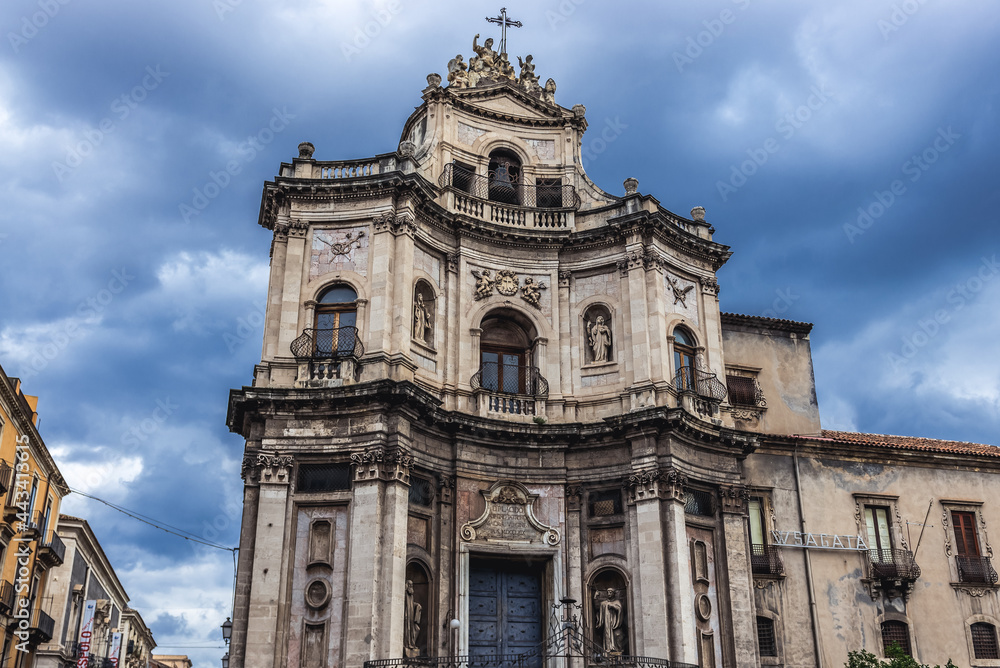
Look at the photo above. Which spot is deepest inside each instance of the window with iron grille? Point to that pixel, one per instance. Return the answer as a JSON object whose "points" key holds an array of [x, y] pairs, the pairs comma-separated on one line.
{"points": [[605, 503], [421, 492], [742, 390], [323, 477], [697, 502], [765, 637], [895, 633], [984, 641]]}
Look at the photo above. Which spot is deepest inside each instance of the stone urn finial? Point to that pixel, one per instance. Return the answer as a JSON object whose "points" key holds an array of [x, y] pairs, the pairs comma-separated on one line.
{"points": [[579, 111], [698, 214], [433, 80], [306, 150], [406, 148], [631, 186]]}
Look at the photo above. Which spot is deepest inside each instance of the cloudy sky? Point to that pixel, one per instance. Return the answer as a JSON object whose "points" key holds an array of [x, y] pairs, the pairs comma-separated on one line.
{"points": [[846, 151]]}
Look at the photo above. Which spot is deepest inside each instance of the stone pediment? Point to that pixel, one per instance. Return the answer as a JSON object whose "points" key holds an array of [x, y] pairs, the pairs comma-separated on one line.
{"points": [[509, 518], [507, 102]]}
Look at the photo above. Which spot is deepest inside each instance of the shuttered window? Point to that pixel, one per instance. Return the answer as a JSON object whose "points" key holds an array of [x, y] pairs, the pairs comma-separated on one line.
{"points": [[966, 542]]}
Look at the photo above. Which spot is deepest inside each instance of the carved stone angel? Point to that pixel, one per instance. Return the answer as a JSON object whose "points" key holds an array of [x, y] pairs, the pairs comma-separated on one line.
{"points": [[531, 292], [484, 284], [457, 75]]}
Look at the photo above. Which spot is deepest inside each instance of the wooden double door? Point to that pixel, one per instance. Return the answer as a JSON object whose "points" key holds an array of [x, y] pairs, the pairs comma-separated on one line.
{"points": [[505, 609]]}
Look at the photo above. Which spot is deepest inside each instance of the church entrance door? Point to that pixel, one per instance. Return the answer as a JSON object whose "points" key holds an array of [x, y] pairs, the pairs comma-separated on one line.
{"points": [[505, 608]]}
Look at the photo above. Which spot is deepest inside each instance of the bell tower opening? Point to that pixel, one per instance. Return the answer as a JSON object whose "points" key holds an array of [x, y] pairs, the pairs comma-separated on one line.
{"points": [[505, 176]]}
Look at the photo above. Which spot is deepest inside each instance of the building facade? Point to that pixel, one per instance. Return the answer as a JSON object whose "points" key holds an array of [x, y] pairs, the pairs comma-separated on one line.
{"points": [[500, 414], [32, 488]]}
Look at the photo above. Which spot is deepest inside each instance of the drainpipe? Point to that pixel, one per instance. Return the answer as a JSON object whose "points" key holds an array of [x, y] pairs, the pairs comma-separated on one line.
{"points": [[808, 559]]}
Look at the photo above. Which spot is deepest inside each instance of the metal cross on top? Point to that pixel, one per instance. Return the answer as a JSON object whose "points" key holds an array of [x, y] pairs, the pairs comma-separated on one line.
{"points": [[503, 22]]}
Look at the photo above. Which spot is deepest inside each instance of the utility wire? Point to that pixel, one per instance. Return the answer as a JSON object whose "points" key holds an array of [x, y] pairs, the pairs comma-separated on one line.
{"points": [[154, 523]]}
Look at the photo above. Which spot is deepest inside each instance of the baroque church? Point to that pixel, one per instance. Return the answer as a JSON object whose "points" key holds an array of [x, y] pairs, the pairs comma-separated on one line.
{"points": [[499, 419]]}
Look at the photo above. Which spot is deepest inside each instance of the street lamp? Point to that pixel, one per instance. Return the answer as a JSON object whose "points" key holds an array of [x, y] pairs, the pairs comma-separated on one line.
{"points": [[225, 661], [227, 631]]}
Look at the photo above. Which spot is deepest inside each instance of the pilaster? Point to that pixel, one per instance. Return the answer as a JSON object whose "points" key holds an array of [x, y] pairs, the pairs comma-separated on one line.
{"points": [[291, 290], [735, 501], [652, 572], [683, 626], [244, 570]]}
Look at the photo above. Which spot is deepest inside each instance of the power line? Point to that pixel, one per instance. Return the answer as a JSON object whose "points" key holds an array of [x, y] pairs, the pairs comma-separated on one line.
{"points": [[157, 524]]}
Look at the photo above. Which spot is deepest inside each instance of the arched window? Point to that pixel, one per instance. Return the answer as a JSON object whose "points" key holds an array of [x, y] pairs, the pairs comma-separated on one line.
{"points": [[505, 355], [895, 633], [766, 642], [609, 621], [336, 321], [984, 641], [684, 359], [505, 176]]}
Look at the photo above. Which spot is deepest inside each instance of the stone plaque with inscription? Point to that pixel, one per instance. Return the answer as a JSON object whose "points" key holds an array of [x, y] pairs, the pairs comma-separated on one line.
{"points": [[509, 518]]}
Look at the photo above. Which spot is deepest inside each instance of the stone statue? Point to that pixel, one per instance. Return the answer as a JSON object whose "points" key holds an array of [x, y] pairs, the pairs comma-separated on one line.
{"points": [[505, 68], [457, 76], [421, 319], [484, 284], [531, 292], [549, 92], [608, 617], [528, 78], [599, 338], [412, 612], [485, 53]]}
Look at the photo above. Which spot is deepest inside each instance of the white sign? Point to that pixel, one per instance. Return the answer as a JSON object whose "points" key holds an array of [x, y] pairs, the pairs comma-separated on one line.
{"points": [[821, 541], [86, 633], [116, 649]]}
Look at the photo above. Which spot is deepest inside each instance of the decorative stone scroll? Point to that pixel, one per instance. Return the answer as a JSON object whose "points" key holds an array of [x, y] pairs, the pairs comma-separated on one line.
{"points": [[509, 518]]}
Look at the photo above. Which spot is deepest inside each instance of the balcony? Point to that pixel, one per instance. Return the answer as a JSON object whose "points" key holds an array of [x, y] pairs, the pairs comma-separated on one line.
{"points": [[6, 597], [327, 357], [700, 391], [41, 628], [6, 477], [892, 571], [976, 570], [510, 203], [510, 390], [52, 552], [765, 560]]}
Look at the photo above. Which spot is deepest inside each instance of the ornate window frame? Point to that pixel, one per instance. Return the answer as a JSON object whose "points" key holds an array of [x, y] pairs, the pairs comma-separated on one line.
{"points": [[779, 641], [985, 549], [977, 618]]}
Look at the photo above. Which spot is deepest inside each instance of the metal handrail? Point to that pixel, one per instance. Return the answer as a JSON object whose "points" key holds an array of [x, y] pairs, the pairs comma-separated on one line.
{"points": [[975, 569], [530, 381], [498, 188], [6, 596], [703, 383], [765, 560], [44, 624], [319, 344], [6, 477], [892, 564], [55, 544]]}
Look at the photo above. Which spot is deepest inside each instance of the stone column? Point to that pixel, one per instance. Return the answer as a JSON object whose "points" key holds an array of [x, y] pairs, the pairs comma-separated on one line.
{"points": [[637, 354], [244, 569], [574, 547], [683, 626], [734, 512], [402, 288], [268, 559], [377, 568], [655, 301], [382, 298], [713, 326], [651, 584], [279, 249], [291, 290], [565, 335], [449, 349]]}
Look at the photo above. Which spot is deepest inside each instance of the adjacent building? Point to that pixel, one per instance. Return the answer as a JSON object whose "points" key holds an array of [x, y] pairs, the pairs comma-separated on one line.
{"points": [[500, 418]]}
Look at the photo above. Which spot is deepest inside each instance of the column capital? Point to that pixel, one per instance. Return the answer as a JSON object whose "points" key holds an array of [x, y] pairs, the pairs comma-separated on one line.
{"points": [[574, 496], [261, 468], [380, 463], [655, 484], [735, 499]]}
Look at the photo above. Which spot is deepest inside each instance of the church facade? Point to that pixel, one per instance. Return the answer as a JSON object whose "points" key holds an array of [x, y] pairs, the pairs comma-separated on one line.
{"points": [[500, 419]]}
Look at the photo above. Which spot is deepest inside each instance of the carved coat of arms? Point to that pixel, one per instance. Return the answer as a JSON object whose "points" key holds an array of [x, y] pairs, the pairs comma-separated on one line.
{"points": [[506, 282]]}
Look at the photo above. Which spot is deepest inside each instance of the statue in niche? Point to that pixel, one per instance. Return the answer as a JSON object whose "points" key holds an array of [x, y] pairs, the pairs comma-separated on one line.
{"points": [[412, 612], [531, 292], [599, 338], [608, 617], [421, 319]]}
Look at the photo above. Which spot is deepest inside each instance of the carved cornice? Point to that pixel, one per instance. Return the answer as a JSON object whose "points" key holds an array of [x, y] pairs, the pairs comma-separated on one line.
{"points": [[379, 463]]}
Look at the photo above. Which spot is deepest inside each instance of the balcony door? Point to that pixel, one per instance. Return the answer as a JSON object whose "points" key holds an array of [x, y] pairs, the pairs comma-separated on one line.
{"points": [[336, 321], [879, 538], [503, 370]]}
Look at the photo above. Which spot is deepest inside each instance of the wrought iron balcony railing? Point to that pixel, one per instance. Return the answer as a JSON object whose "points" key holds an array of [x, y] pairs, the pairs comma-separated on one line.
{"points": [[6, 597], [42, 627], [6, 477], [498, 187], [336, 343], [510, 379], [703, 383], [976, 569], [52, 552], [765, 560], [892, 564]]}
